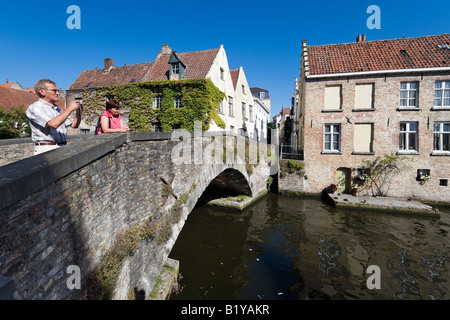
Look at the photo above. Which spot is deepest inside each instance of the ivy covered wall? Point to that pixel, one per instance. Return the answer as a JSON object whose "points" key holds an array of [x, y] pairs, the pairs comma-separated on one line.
{"points": [[172, 104]]}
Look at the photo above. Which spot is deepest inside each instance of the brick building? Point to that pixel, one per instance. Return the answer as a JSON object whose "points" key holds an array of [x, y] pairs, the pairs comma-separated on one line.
{"points": [[362, 100]]}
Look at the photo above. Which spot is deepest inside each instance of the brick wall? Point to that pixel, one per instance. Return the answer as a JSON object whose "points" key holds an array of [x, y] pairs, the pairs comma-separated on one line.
{"points": [[65, 208], [321, 168]]}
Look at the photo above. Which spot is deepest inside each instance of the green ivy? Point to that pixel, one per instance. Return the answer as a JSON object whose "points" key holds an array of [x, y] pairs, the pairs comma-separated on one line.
{"points": [[200, 100]]}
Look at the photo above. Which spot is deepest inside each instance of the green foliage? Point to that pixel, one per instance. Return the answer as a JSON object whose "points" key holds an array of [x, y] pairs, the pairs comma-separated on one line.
{"points": [[200, 101], [13, 123], [102, 279], [291, 167]]}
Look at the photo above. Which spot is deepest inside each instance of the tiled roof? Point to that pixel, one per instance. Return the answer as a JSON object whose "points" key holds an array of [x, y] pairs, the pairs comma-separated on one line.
{"points": [[197, 63], [234, 76], [403, 53], [117, 75], [17, 98]]}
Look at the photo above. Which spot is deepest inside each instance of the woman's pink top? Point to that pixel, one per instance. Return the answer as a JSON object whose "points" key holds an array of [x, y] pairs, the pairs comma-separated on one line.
{"points": [[114, 121]]}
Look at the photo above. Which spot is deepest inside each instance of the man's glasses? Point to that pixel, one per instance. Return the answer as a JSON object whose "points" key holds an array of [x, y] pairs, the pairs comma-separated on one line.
{"points": [[54, 90]]}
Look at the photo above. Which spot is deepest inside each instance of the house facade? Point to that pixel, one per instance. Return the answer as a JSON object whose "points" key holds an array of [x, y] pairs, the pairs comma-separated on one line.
{"points": [[359, 101], [171, 65], [262, 103]]}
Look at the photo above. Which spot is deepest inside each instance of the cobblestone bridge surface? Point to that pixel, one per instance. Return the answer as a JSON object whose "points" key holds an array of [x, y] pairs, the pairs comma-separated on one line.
{"points": [[66, 207]]}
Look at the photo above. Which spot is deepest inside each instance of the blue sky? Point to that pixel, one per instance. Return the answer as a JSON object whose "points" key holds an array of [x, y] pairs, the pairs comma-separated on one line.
{"points": [[264, 37]]}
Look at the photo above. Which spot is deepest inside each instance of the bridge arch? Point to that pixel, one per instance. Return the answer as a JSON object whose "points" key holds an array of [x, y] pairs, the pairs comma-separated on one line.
{"points": [[67, 206]]}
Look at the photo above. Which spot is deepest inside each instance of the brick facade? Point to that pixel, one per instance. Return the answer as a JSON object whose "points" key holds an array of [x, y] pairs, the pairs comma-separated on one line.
{"points": [[384, 117]]}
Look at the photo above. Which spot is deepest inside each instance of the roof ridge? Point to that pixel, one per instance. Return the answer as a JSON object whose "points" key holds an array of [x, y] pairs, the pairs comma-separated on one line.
{"points": [[380, 40]]}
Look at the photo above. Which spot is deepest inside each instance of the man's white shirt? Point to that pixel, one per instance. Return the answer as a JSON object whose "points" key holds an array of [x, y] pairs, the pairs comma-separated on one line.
{"points": [[39, 113]]}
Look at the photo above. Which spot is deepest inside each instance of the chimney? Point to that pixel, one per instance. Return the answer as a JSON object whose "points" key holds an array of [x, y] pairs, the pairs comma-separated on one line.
{"points": [[363, 37], [358, 38], [7, 81], [166, 49], [109, 63]]}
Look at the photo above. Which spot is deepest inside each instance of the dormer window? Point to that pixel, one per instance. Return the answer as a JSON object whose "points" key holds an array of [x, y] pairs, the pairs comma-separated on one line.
{"points": [[176, 67]]}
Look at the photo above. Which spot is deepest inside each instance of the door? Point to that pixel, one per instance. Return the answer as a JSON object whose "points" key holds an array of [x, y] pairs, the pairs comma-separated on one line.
{"points": [[343, 176]]}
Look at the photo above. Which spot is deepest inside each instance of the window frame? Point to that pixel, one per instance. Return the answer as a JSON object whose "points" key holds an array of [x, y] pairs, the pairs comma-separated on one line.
{"points": [[408, 91], [156, 104], [442, 89], [441, 132], [230, 107], [177, 102], [406, 133], [175, 68], [333, 134]]}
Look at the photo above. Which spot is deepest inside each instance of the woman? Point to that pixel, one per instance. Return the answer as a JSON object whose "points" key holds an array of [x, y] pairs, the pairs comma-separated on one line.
{"points": [[111, 120]]}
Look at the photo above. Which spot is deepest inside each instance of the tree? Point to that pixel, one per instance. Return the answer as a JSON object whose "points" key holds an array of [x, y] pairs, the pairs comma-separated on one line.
{"points": [[13, 123], [380, 173]]}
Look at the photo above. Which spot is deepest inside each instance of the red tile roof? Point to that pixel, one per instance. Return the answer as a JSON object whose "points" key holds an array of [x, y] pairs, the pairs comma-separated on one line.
{"points": [[197, 63], [117, 75], [403, 53], [10, 98], [234, 76]]}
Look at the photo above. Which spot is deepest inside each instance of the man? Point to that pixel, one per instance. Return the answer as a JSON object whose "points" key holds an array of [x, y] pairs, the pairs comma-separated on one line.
{"points": [[49, 123]]}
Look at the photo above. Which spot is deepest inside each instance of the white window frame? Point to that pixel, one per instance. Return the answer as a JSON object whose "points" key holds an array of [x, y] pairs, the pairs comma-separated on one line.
{"points": [[175, 68], [244, 111], [230, 107], [407, 137], [222, 74], [439, 129], [335, 137], [409, 92], [177, 102], [444, 91], [157, 102]]}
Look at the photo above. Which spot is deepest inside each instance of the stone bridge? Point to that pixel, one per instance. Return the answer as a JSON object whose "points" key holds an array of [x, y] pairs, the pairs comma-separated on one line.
{"points": [[62, 212]]}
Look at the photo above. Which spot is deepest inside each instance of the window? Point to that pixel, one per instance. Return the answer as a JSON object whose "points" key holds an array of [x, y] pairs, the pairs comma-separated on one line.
{"points": [[333, 98], [262, 95], [408, 94], [230, 107], [222, 77], [221, 107], [244, 113], [157, 102], [177, 102], [156, 127], [175, 68], [243, 89], [363, 138], [441, 136], [442, 94], [250, 113], [364, 96], [443, 182], [332, 138], [408, 136]]}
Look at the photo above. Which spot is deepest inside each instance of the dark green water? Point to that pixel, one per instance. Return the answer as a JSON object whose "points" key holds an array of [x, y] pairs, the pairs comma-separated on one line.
{"points": [[289, 248]]}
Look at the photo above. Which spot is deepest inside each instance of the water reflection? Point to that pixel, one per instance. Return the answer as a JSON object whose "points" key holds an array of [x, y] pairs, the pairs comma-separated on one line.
{"points": [[296, 248]]}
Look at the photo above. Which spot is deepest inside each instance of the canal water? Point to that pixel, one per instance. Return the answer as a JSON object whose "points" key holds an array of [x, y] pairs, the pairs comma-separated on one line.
{"points": [[290, 248]]}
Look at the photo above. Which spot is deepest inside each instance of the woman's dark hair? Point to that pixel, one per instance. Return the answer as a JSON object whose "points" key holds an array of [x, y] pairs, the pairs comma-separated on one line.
{"points": [[112, 104]]}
